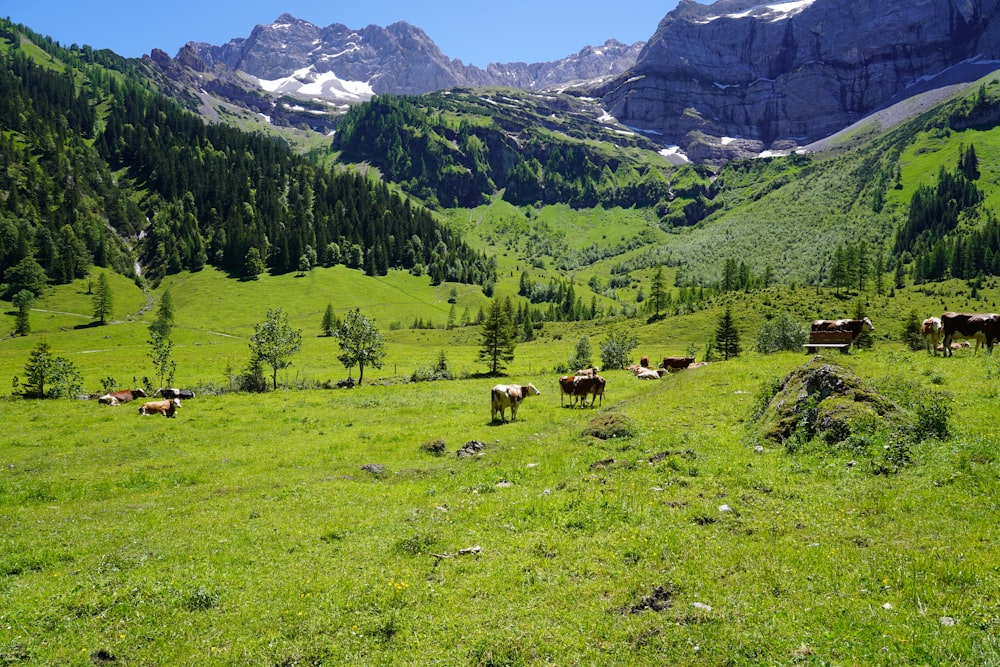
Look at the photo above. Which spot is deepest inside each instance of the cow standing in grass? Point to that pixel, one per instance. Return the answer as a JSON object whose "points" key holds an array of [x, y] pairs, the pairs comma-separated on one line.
{"points": [[504, 396]]}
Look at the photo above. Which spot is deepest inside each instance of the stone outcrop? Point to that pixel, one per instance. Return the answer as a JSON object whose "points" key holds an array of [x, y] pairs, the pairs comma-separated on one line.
{"points": [[791, 72]]}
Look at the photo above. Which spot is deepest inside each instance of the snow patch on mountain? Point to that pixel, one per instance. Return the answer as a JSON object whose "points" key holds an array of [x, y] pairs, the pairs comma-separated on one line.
{"points": [[771, 13], [327, 85]]}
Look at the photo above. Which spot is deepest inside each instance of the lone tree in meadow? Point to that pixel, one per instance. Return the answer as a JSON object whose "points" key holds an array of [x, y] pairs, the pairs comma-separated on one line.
{"points": [[160, 351], [361, 343], [22, 301], [274, 341], [164, 321], [498, 336], [657, 292], [48, 376], [616, 350], [727, 337], [330, 323], [103, 301]]}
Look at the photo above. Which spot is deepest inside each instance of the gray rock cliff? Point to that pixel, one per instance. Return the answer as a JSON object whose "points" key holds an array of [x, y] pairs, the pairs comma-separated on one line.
{"points": [[788, 73]]}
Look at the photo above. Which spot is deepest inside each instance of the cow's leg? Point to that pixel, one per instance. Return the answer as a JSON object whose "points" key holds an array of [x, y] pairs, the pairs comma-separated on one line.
{"points": [[947, 344]]}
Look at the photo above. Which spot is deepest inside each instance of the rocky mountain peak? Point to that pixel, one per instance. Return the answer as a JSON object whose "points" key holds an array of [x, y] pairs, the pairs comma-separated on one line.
{"points": [[787, 73]]}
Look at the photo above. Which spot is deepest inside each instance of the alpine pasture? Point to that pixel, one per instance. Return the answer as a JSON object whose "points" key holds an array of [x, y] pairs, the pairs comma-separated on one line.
{"points": [[311, 526]]}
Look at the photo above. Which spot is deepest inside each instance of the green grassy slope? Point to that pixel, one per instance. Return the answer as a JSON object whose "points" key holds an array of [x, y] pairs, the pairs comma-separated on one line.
{"points": [[245, 530]]}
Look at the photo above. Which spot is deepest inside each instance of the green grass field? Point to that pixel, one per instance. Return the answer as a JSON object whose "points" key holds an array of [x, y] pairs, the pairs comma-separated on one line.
{"points": [[245, 531]]}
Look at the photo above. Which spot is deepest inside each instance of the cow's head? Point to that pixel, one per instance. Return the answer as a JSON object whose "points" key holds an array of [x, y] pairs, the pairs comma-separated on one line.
{"points": [[530, 390], [138, 393], [867, 324]]}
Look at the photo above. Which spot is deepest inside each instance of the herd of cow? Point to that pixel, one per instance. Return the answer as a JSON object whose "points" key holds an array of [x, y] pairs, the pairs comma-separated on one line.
{"points": [[586, 382], [171, 400], [938, 333]]}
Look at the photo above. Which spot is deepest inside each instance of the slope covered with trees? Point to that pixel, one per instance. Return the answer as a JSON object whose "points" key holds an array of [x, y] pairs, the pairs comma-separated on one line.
{"points": [[97, 162]]}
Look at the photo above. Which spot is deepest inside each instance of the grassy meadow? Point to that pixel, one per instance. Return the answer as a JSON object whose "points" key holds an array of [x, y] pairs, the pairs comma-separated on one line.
{"points": [[246, 530]]}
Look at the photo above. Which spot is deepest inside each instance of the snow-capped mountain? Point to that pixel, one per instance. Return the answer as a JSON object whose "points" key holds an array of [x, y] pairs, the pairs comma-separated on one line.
{"points": [[344, 65]]}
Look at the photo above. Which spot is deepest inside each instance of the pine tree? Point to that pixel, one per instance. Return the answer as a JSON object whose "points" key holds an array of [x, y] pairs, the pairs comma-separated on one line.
{"points": [[164, 321], [22, 301], [329, 323], [103, 300], [727, 337], [657, 292], [498, 337]]}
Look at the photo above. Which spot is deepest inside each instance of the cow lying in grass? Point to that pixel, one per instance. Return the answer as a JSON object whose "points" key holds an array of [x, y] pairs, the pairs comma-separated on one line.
{"points": [[119, 397], [167, 408]]}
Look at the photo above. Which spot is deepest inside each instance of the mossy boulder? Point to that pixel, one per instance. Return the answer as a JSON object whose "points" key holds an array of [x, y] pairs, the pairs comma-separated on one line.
{"points": [[821, 399]]}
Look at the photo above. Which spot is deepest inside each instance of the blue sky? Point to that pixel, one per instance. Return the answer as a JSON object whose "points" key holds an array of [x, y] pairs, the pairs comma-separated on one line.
{"points": [[475, 34]]}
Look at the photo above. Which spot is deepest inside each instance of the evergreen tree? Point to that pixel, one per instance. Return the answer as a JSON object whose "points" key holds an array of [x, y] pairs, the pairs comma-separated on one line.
{"points": [[274, 342], [330, 323], [22, 301], [727, 337], [497, 340], [102, 299], [657, 292], [911, 331], [164, 321], [361, 343]]}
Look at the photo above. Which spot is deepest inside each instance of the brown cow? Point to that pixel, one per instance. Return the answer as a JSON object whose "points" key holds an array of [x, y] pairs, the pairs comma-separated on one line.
{"points": [[167, 408], [123, 396], [504, 396], [677, 363], [580, 387], [644, 362], [984, 328]]}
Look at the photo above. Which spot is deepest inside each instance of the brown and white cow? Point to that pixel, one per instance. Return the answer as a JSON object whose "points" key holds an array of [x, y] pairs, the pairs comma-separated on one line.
{"points": [[984, 328], [123, 396], [677, 363], [577, 386], [854, 326], [504, 396], [167, 408], [931, 332]]}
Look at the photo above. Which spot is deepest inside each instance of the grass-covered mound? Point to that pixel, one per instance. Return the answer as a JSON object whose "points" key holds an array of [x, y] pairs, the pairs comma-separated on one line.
{"points": [[826, 403]]}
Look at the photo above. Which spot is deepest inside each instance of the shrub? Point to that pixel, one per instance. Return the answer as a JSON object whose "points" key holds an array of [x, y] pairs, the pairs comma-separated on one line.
{"points": [[782, 333], [616, 349]]}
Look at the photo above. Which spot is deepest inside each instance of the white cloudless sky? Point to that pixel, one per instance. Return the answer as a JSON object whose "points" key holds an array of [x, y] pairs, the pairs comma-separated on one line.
{"points": [[475, 33]]}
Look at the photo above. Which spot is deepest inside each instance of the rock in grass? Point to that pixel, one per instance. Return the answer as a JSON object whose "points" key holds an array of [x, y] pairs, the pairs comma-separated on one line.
{"points": [[374, 468]]}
